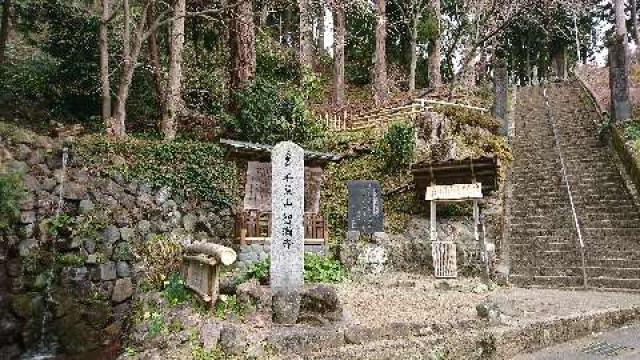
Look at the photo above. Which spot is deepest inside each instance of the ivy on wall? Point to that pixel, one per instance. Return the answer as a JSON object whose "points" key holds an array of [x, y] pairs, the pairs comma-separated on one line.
{"points": [[197, 167]]}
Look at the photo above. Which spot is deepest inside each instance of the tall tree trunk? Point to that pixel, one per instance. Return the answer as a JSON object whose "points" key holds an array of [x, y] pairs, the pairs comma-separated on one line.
{"points": [[264, 14], [621, 26], [306, 33], [173, 102], [154, 58], [500, 83], [117, 127], [558, 60], [339, 32], [634, 21], [413, 47], [5, 23], [380, 55], [320, 29], [242, 41], [435, 78], [105, 83]]}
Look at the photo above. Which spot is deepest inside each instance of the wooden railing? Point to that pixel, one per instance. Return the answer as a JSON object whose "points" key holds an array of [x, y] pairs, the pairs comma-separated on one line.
{"points": [[344, 120], [255, 227]]}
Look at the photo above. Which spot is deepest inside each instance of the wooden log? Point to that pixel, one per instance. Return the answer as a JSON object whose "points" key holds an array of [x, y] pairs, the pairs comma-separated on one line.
{"points": [[223, 254]]}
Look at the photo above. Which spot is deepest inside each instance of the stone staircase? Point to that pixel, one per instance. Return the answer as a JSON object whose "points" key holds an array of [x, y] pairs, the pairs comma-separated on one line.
{"points": [[544, 245]]}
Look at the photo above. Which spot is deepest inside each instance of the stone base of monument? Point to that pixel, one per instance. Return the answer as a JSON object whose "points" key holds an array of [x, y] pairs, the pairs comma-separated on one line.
{"points": [[286, 307], [364, 254]]}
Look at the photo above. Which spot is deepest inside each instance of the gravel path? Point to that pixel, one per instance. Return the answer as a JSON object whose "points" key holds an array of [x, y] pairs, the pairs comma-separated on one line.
{"points": [[401, 297]]}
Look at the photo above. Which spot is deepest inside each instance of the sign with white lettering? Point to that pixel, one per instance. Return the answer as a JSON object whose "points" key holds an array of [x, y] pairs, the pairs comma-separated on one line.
{"points": [[454, 192]]}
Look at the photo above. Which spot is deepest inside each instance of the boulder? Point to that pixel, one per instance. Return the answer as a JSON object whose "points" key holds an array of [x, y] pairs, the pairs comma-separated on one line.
{"points": [[86, 206], [123, 269], [111, 234], [75, 191], [210, 334], [233, 339], [189, 222], [122, 290], [251, 296], [162, 195], [108, 271], [127, 233], [144, 226], [320, 303], [28, 217], [489, 310]]}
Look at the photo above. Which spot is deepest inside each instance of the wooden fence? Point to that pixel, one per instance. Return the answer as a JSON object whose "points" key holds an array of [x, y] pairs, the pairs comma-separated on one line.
{"points": [[344, 120], [255, 227]]}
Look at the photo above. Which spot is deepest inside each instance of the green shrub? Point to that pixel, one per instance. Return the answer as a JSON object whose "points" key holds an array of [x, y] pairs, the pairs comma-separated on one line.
{"points": [[268, 114], [397, 146], [156, 324], [316, 269], [274, 61], [199, 168], [258, 270], [59, 225], [11, 192], [462, 116], [632, 130], [319, 269], [160, 257], [174, 290], [228, 305], [70, 260]]}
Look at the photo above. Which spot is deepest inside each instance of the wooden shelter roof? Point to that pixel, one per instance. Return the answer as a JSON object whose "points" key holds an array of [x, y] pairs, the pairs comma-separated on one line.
{"points": [[261, 152], [456, 171]]}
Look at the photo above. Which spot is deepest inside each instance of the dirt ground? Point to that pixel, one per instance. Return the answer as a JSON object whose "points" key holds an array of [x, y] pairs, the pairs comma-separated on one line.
{"points": [[402, 297]]}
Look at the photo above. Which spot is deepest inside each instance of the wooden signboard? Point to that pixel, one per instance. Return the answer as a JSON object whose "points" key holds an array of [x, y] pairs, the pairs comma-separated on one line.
{"points": [[201, 276], [457, 192], [444, 252], [257, 190]]}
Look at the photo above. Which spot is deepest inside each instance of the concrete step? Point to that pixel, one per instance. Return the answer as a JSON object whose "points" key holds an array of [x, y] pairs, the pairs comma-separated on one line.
{"points": [[549, 281], [547, 271], [613, 283]]}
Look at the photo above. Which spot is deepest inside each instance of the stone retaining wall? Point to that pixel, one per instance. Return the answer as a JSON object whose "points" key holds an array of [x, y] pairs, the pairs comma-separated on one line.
{"points": [[411, 251], [93, 247]]}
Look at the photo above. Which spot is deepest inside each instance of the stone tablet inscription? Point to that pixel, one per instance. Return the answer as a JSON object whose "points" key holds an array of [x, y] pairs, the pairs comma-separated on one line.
{"points": [[287, 197], [365, 207]]}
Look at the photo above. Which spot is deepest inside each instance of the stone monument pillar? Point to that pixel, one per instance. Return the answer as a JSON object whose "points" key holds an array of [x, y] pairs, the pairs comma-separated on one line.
{"points": [[287, 242]]}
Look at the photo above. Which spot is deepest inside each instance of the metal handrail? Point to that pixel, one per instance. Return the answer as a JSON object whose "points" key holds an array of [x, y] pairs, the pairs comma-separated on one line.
{"points": [[566, 181]]}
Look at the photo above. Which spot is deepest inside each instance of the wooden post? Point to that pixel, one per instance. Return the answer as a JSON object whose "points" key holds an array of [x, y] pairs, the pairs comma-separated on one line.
{"points": [[433, 230], [476, 218]]}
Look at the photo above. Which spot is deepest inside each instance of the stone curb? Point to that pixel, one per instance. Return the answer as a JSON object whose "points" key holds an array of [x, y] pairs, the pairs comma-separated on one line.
{"points": [[587, 88], [538, 335], [463, 340]]}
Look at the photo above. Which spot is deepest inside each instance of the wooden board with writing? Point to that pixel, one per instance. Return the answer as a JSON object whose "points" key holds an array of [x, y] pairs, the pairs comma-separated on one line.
{"points": [[257, 190], [455, 192]]}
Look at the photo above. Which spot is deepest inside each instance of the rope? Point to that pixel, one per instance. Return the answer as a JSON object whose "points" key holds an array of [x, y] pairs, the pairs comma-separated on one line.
{"points": [[565, 178]]}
